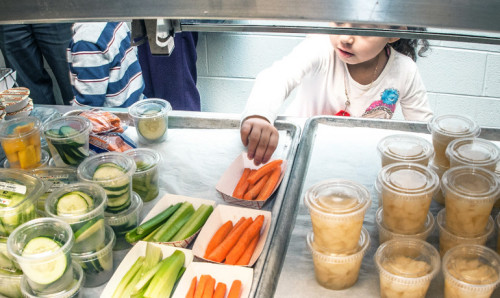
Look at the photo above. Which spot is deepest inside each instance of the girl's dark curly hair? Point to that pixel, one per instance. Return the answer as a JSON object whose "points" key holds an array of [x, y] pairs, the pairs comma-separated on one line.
{"points": [[409, 47]]}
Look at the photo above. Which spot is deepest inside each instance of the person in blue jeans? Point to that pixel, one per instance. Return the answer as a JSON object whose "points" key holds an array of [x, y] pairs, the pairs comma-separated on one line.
{"points": [[25, 46]]}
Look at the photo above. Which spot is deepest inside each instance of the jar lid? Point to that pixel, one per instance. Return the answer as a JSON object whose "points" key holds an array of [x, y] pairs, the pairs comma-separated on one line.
{"points": [[150, 108], [408, 178], [473, 151], [471, 182], [405, 147], [454, 126]]}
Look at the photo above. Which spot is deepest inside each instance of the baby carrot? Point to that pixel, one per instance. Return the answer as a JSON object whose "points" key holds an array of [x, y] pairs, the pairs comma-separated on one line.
{"points": [[268, 188], [208, 292], [264, 170], [218, 237], [198, 293], [245, 239], [248, 253], [242, 185], [221, 251], [254, 191], [234, 291], [220, 290], [192, 287]]}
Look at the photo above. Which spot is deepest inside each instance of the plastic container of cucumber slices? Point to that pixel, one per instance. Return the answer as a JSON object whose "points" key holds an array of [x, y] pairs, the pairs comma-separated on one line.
{"points": [[81, 205], [125, 221], [151, 119]]}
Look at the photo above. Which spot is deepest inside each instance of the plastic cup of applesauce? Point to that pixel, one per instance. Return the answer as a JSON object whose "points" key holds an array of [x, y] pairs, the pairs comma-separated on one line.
{"points": [[497, 172], [385, 234], [470, 193], [405, 148], [447, 128], [378, 192], [337, 208], [407, 191], [448, 240], [470, 271], [337, 271], [473, 152], [497, 221], [406, 267], [439, 169]]}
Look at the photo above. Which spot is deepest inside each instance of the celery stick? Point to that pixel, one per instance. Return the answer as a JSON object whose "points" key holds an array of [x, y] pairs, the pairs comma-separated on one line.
{"points": [[164, 280], [153, 256], [130, 287], [120, 289], [176, 227], [132, 236], [195, 223], [183, 211], [156, 221], [151, 235], [146, 278]]}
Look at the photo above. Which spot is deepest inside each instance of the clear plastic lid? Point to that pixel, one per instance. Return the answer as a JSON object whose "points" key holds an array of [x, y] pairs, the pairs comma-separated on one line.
{"points": [[471, 183], [441, 222], [150, 108], [405, 148], [132, 212], [16, 188], [145, 159], [408, 178], [338, 258], [89, 165], [55, 177], [409, 261], [337, 197], [19, 127], [81, 126], [473, 267], [439, 169], [473, 151], [454, 126]]}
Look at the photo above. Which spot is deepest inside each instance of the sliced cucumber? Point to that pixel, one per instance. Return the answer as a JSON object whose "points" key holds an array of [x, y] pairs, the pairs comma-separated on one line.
{"points": [[88, 230], [75, 202], [67, 131], [47, 272], [153, 128], [107, 173]]}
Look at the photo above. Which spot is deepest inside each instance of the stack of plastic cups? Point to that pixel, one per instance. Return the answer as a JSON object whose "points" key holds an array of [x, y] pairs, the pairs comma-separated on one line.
{"points": [[406, 267], [470, 193], [81, 205], [338, 241], [470, 271], [385, 234], [114, 172], [146, 177], [403, 148], [42, 249], [497, 221], [407, 191]]}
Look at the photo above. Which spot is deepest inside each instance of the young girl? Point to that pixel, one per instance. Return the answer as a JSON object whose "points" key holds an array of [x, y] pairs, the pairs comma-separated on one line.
{"points": [[343, 75]]}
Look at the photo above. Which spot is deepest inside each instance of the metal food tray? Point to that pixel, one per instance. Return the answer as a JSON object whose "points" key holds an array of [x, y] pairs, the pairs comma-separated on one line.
{"points": [[339, 147], [278, 206]]}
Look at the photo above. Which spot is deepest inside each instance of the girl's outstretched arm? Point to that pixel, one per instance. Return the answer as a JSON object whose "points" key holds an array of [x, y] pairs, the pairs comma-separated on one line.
{"points": [[260, 137]]}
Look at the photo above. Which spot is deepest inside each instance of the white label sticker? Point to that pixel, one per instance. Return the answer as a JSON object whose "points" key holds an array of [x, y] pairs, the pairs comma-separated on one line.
{"points": [[13, 187]]}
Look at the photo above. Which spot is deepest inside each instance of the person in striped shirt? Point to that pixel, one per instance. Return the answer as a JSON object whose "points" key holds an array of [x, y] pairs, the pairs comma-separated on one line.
{"points": [[104, 70]]}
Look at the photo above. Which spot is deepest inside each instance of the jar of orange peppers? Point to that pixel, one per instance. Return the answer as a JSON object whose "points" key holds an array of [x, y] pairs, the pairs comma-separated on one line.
{"points": [[20, 139]]}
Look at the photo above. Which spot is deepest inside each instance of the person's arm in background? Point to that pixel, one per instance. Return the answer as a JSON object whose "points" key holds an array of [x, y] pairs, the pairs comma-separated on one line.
{"points": [[272, 86]]}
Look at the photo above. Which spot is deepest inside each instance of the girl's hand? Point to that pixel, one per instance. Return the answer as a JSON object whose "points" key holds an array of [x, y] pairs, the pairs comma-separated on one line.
{"points": [[260, 137]]}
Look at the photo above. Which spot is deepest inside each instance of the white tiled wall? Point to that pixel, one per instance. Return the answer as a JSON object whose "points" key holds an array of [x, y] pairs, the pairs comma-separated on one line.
{"points": [[460, 78]]}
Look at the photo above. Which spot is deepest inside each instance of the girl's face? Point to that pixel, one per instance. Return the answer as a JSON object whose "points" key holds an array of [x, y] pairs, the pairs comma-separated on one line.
{"points": [[353, 49]]}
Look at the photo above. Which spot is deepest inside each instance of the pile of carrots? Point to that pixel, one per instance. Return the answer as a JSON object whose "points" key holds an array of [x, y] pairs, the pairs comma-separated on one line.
{"points": [[235, 245], [258, 184], [205, 288]]}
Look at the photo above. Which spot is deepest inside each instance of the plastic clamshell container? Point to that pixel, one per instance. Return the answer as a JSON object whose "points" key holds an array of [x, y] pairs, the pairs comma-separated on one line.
{"points": [[221, 273], [7, 261], [19, 192], [53, 179], [151, 119], [228, 181], [407, 191], [44, 161], [88, 221], [20, 139], [337, 207], [406, 266], [168, 200], [34, 266], [10, 283], [337, 271], [119, 188], [98, 265], [446, 128], [405, 148], [140, 250], [473, 152], [470, 193], [385, 234], [447, 239], [74, 290], [68, 139], [222, 214], [145, 181], [470, 271], [125, 221]]}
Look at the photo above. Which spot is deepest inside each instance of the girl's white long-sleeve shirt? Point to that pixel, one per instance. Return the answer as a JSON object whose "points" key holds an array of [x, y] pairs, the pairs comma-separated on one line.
{"points": [[322, 78]]}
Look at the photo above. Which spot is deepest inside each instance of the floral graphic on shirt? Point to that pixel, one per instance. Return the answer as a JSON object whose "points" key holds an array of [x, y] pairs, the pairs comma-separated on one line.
{"points": [[385, 107]]}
